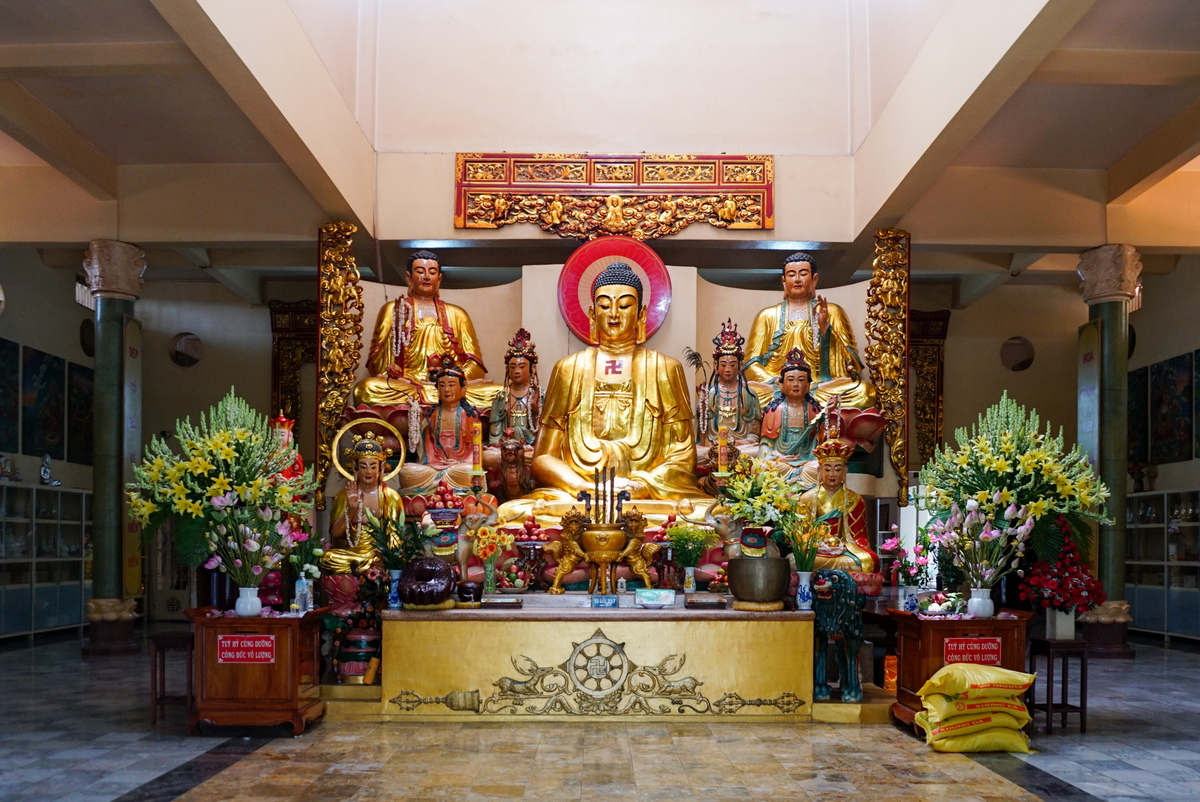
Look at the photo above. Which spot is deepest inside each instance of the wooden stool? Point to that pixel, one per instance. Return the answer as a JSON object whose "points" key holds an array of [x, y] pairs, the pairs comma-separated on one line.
{"points": [[1065, 649], [160, 644]]}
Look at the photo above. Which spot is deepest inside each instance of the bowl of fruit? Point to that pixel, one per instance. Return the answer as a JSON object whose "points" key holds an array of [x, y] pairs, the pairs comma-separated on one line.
{"points": [[444, 506], [531, 532], [511, 577]]}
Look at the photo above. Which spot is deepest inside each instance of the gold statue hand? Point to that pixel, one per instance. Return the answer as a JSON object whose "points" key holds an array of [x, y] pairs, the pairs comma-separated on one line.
{"points": [[822, 314]]}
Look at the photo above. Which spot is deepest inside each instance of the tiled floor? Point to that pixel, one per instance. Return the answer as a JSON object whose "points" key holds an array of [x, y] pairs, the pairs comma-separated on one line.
{"points": [[78, 729]]}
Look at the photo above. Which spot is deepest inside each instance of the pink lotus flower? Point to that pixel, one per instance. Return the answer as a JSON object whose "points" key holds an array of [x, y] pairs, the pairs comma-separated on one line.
{"points": [[237, 563], [917, 549], [250, 545], [264, 513], [890, 544], [912, 571], [213, 562], [227, 500], [1011, 512], [922, 561], [256, 570]]}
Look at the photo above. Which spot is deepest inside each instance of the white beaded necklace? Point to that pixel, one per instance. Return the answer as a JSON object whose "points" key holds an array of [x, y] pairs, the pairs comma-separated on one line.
{"points": [[357, 532], [811, 317]]}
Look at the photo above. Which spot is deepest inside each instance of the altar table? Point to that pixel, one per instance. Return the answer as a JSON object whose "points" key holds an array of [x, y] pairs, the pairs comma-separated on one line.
{"points": [[577, 663]]}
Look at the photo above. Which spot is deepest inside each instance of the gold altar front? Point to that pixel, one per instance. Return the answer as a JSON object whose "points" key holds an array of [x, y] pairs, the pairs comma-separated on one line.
{"points": [[631, 663]]}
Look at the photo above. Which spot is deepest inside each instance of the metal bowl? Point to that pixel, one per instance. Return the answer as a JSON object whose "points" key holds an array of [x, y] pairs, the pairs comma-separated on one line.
{"points": [[758, 579]]}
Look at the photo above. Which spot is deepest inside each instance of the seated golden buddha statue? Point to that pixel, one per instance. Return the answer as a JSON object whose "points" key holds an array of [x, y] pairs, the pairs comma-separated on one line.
{"points": [[729, 402], [411, 329], [847, 546], [446, 448], [366, 458], [819, 329], [617, 405]]}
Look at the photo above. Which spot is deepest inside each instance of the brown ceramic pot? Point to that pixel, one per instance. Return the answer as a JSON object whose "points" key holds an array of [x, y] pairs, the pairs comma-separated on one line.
{"points": [[758, 579]]}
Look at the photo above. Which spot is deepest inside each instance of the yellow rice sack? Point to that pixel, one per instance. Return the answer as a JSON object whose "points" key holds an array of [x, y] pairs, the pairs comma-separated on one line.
{"points": [[997, 739], [971, 681], [965, 725], [942, 707]]}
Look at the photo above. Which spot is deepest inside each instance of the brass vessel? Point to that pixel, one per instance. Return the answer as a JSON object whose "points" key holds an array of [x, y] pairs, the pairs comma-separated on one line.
{"points": [[758, 579]]}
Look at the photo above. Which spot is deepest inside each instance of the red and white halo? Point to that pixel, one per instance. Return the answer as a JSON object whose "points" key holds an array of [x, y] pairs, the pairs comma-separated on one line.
{"points": [[587, 262]]}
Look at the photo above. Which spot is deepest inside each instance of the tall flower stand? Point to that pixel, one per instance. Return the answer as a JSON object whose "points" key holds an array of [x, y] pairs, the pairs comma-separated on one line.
{"points": [[925, 645], [256, 671]]}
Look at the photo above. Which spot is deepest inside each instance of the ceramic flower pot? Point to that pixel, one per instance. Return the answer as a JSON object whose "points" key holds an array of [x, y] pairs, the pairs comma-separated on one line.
{"points": [[908, 598], [1060, 625], [248, 603], [393, 600], [689, 579], [980, 604]]}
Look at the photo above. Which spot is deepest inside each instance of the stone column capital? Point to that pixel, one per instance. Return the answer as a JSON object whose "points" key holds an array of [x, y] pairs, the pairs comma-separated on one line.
{"points": [[114, 269], [1109, 273]]}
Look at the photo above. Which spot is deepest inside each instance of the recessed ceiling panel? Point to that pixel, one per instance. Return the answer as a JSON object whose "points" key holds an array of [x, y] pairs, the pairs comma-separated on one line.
{"points": [[155, 119], [54, 21], [1138, 25], [1074, 126]]}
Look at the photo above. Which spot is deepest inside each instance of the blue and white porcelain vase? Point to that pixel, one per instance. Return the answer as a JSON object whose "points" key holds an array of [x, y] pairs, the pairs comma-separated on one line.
{"points": [[394, 602], [804, 597], [910, 602]]}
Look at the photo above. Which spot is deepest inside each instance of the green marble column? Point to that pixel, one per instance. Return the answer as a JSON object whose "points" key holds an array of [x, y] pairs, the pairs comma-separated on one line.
{"points": [[1110, 280], [114, 271]]}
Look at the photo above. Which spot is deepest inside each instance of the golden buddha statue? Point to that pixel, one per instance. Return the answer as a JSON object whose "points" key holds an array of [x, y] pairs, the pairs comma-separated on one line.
{"points": [[446, 449], [413, 328], [367, 459], [847, 546], [819, 329], [617, 405]]}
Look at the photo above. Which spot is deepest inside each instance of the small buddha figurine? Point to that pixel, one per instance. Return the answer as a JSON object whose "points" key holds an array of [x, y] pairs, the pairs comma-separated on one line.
{"points": [[729, 402], [44, 473], [409, 331], [819, 329], [847, 546], [367, 457], [617, 405], [446, 449], [791, 423], [520, 405]]}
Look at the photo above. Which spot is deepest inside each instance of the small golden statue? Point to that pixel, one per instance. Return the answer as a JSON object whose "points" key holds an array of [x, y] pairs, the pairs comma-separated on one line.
{"points": [[366, 491]]}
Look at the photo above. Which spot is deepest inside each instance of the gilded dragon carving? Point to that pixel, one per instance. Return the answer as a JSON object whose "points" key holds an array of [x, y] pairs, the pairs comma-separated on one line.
{"points": [[887, 348]]}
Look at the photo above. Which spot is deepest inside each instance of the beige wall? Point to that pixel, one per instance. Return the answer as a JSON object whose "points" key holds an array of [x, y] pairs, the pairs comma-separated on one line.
{"points": [[40, 311], [1049, 316], [1167, 326]]}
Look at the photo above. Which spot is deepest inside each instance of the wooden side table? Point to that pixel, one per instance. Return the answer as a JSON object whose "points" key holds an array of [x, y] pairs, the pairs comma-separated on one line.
{"points": [[922, 647], [160, 644], [256, 671], [1064, 650]]}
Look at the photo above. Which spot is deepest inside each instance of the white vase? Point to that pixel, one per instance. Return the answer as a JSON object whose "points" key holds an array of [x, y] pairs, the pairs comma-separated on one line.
{"points": [[1060, 625], [689, 579], [907, 599], [248, 604], [804, 591], [980, 604]]}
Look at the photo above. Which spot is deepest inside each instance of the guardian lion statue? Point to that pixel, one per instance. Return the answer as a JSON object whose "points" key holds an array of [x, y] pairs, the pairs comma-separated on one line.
{"points": [[838, 606]]}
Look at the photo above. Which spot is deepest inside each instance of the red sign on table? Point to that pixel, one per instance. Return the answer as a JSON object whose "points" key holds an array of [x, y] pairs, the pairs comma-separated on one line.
{"points": [[984, 651], [245, 648]]}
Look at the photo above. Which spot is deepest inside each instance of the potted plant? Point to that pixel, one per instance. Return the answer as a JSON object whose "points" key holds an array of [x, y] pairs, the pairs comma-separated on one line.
{"points": [[688, 545], [982, 548], [233, 509], [397, 544], [1062, 588], [910, 570], [804, 534]]}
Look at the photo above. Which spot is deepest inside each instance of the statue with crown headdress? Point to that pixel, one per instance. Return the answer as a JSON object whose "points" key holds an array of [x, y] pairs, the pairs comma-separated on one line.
{"points": [[366, 459], [728, 402], [446, 450], [519, 406], [791, 422], [847, 546]]}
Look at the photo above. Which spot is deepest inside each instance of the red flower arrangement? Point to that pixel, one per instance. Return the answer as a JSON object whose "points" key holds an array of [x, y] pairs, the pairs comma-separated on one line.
{"points": [[1065, 585]]}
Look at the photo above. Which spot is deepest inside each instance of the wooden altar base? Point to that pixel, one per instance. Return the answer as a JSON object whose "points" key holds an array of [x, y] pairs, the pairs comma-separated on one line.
{"points": [[583, 664]]}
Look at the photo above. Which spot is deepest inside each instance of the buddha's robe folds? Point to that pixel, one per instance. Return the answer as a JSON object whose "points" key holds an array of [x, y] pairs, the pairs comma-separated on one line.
{"points": [[834, 358], [789, 437], [360, 551], [641, 427], [848, 546], [395, 380], [442, 454]]}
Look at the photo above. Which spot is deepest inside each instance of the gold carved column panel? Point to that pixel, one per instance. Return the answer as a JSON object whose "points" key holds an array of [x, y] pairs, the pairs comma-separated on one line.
{"points": [[887, 344], [927, 354]]}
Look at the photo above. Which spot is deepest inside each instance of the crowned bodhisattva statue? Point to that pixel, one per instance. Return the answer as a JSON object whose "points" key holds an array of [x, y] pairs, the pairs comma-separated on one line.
{"points": [[367, 458]]}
